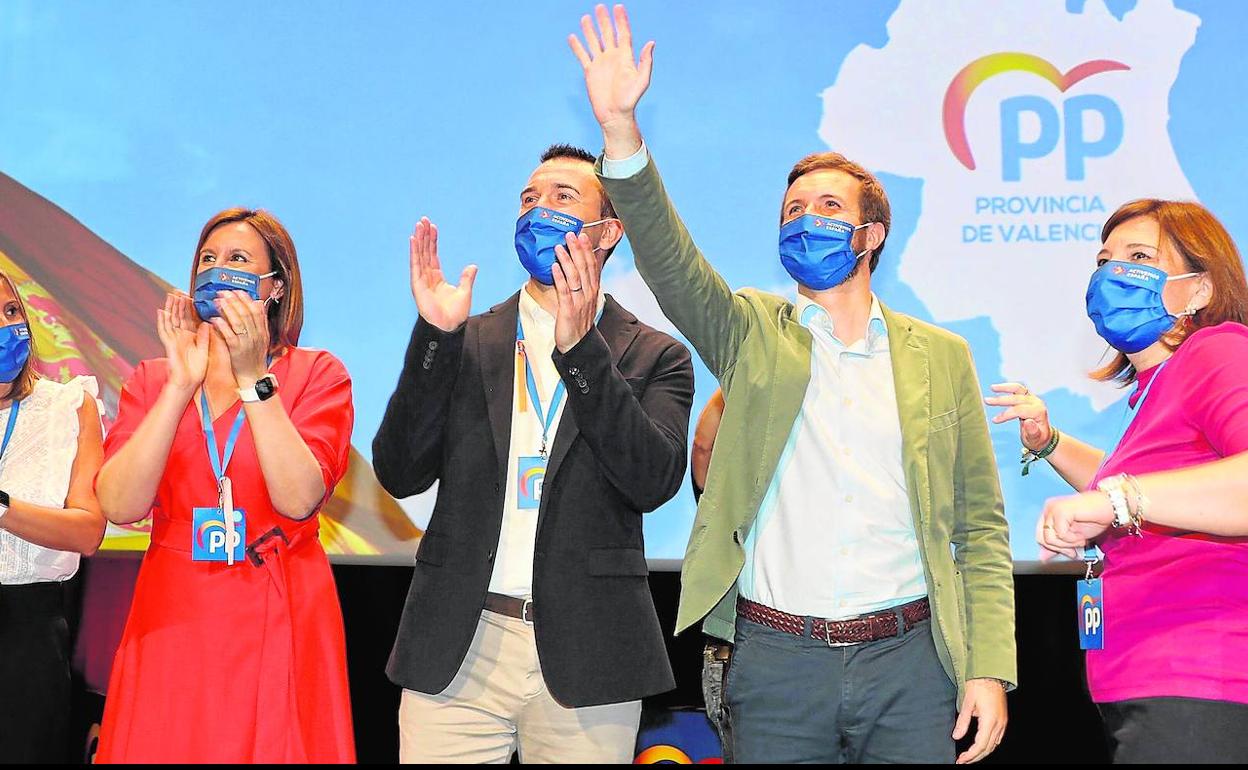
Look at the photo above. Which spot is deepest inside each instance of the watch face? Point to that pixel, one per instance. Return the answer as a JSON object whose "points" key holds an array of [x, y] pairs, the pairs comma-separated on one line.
{"points": [[265, 387]]}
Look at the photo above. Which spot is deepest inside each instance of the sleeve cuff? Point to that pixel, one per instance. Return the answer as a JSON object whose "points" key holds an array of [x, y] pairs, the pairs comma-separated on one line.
{"points": [[623, 169]]}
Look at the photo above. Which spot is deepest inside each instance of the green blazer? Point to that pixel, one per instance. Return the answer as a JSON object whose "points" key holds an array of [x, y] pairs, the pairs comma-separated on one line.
{"points": [[761, 356]]}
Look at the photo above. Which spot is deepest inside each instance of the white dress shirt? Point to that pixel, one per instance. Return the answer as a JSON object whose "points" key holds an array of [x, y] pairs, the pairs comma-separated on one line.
{"points": [[834, 536], [513, 564]]}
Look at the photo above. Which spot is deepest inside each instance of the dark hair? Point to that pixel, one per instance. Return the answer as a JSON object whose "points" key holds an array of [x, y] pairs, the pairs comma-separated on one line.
{"points": [[1204, 246], [286, 316], [24, 382], [572, 152], [872, 200]]}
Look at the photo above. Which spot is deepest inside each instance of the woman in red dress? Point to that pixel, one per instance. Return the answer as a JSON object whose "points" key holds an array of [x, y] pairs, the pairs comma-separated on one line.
{"points": [[234, 649]]}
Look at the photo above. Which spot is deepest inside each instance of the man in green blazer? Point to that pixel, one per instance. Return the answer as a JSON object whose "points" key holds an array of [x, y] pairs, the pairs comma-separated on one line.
{"points": [[851, 538]]}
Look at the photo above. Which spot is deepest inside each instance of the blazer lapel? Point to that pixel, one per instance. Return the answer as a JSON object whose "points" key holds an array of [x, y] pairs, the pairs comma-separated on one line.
{"points": [[619, 328], [908, 347], [496, 350]]}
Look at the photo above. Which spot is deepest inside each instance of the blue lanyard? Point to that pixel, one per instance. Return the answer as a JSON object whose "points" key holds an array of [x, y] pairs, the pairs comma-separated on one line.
{"points": [[219, 464], [1128, 416], [8, 431], [546, 418]]}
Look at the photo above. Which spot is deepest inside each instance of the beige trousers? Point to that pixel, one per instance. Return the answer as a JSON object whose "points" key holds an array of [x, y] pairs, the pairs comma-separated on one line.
{"points": [[498, 703]]}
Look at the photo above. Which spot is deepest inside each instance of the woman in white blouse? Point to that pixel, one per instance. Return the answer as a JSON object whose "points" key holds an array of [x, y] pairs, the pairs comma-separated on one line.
{"points": [[50, 451]]}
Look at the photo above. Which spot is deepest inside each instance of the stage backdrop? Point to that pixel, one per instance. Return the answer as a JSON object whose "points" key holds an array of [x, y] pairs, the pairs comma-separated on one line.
{"points": [[1005, 132]]}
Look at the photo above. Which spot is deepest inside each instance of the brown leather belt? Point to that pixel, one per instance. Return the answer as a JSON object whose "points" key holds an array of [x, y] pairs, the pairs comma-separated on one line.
{"points": [[864, 628], [510, 606]]}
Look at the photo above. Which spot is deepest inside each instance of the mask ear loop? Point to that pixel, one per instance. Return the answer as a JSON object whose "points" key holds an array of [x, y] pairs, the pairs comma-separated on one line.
{"points": [[273, 297], [1189, 312], [598, 222], [866, 251]]}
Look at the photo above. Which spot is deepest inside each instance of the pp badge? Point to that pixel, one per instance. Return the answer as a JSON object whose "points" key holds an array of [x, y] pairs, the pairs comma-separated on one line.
{"points": [[530, 474], [208, 539], [1091, 614]]}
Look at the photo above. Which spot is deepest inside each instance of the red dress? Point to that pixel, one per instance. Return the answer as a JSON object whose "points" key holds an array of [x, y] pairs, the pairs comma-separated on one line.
{"points": [[244, 663]]}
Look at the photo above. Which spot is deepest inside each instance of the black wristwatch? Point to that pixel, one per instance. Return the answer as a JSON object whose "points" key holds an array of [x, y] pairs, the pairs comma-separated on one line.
{"points": [[264, 389]]}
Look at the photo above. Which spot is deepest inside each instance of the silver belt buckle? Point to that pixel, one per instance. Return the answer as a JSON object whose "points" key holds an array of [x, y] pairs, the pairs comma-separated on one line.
{"points": [[526, 612]]}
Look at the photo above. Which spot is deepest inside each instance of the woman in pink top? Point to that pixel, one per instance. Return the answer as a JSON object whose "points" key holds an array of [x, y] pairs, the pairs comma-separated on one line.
{"points": [[1168, 505]]}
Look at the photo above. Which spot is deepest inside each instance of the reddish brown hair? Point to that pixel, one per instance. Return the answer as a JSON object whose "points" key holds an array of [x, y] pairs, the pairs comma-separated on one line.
{"points": [[1204, 246], [286, 314], [872, 200]]}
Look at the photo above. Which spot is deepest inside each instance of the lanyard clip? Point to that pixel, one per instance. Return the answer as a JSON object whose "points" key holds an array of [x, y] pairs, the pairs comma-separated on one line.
{"points": [[1090, 558]]}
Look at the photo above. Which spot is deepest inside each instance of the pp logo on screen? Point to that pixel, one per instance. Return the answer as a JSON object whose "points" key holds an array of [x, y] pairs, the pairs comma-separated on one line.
{"points": [[1070, 127], [1091, 616]]}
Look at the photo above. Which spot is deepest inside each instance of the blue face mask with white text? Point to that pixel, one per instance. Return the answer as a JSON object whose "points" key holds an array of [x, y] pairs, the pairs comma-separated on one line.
{"points": [[218, 279], [538, 231], [14, 350], [1125, 305], [818, 251]]}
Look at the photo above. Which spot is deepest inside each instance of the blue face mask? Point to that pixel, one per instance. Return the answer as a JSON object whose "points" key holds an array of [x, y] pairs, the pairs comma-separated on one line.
{"points": [[817, 251], [538, 231], [218, 279], [14, 350], [1124, 303]]}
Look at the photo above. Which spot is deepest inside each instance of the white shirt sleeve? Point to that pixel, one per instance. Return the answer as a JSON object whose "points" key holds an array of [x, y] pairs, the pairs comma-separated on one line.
{"points": [[623, 169]]}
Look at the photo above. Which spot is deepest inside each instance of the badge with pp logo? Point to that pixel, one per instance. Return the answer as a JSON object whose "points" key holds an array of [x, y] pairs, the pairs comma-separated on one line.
{"points": [[530, 473], [210, 535], [1091, 614]]}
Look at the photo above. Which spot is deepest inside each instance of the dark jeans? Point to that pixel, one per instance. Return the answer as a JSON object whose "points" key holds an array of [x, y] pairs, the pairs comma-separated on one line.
{"points": [[34, 674], [796, 699], [1176, 730]]}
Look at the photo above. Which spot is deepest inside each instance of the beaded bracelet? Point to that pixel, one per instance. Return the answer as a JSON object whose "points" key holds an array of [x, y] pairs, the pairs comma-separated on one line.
{"points": [[1030, 457]]}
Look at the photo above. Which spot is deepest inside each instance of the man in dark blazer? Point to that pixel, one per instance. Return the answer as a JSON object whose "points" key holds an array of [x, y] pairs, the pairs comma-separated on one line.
{"points": [[551, 422]]}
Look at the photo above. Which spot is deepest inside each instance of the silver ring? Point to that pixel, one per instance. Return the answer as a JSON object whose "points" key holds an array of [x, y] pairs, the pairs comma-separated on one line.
{"points": [[578, 288]]}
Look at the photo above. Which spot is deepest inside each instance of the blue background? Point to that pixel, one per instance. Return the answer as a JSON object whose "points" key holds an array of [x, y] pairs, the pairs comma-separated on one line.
{"points": [[351, 120]]}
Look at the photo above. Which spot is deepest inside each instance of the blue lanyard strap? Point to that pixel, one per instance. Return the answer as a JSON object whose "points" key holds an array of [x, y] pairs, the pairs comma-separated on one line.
{"points": [[545, 418], [1090, 554], [219, 464], [8, 431], [1129, 414]]}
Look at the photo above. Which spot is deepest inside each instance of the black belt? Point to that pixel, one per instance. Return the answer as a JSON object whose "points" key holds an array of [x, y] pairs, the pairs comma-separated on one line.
{"points": [[510, 606]]}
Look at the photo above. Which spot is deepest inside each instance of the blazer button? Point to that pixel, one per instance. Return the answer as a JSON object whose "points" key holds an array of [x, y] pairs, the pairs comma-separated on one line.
{"points": [[425, 365], [736, 536], [433, 344], [584, 389], [574, 371]]}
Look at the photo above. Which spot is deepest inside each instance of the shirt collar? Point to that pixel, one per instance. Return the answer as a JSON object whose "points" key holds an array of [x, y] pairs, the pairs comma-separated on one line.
{"points": [[533, 314], [813, 316]]}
